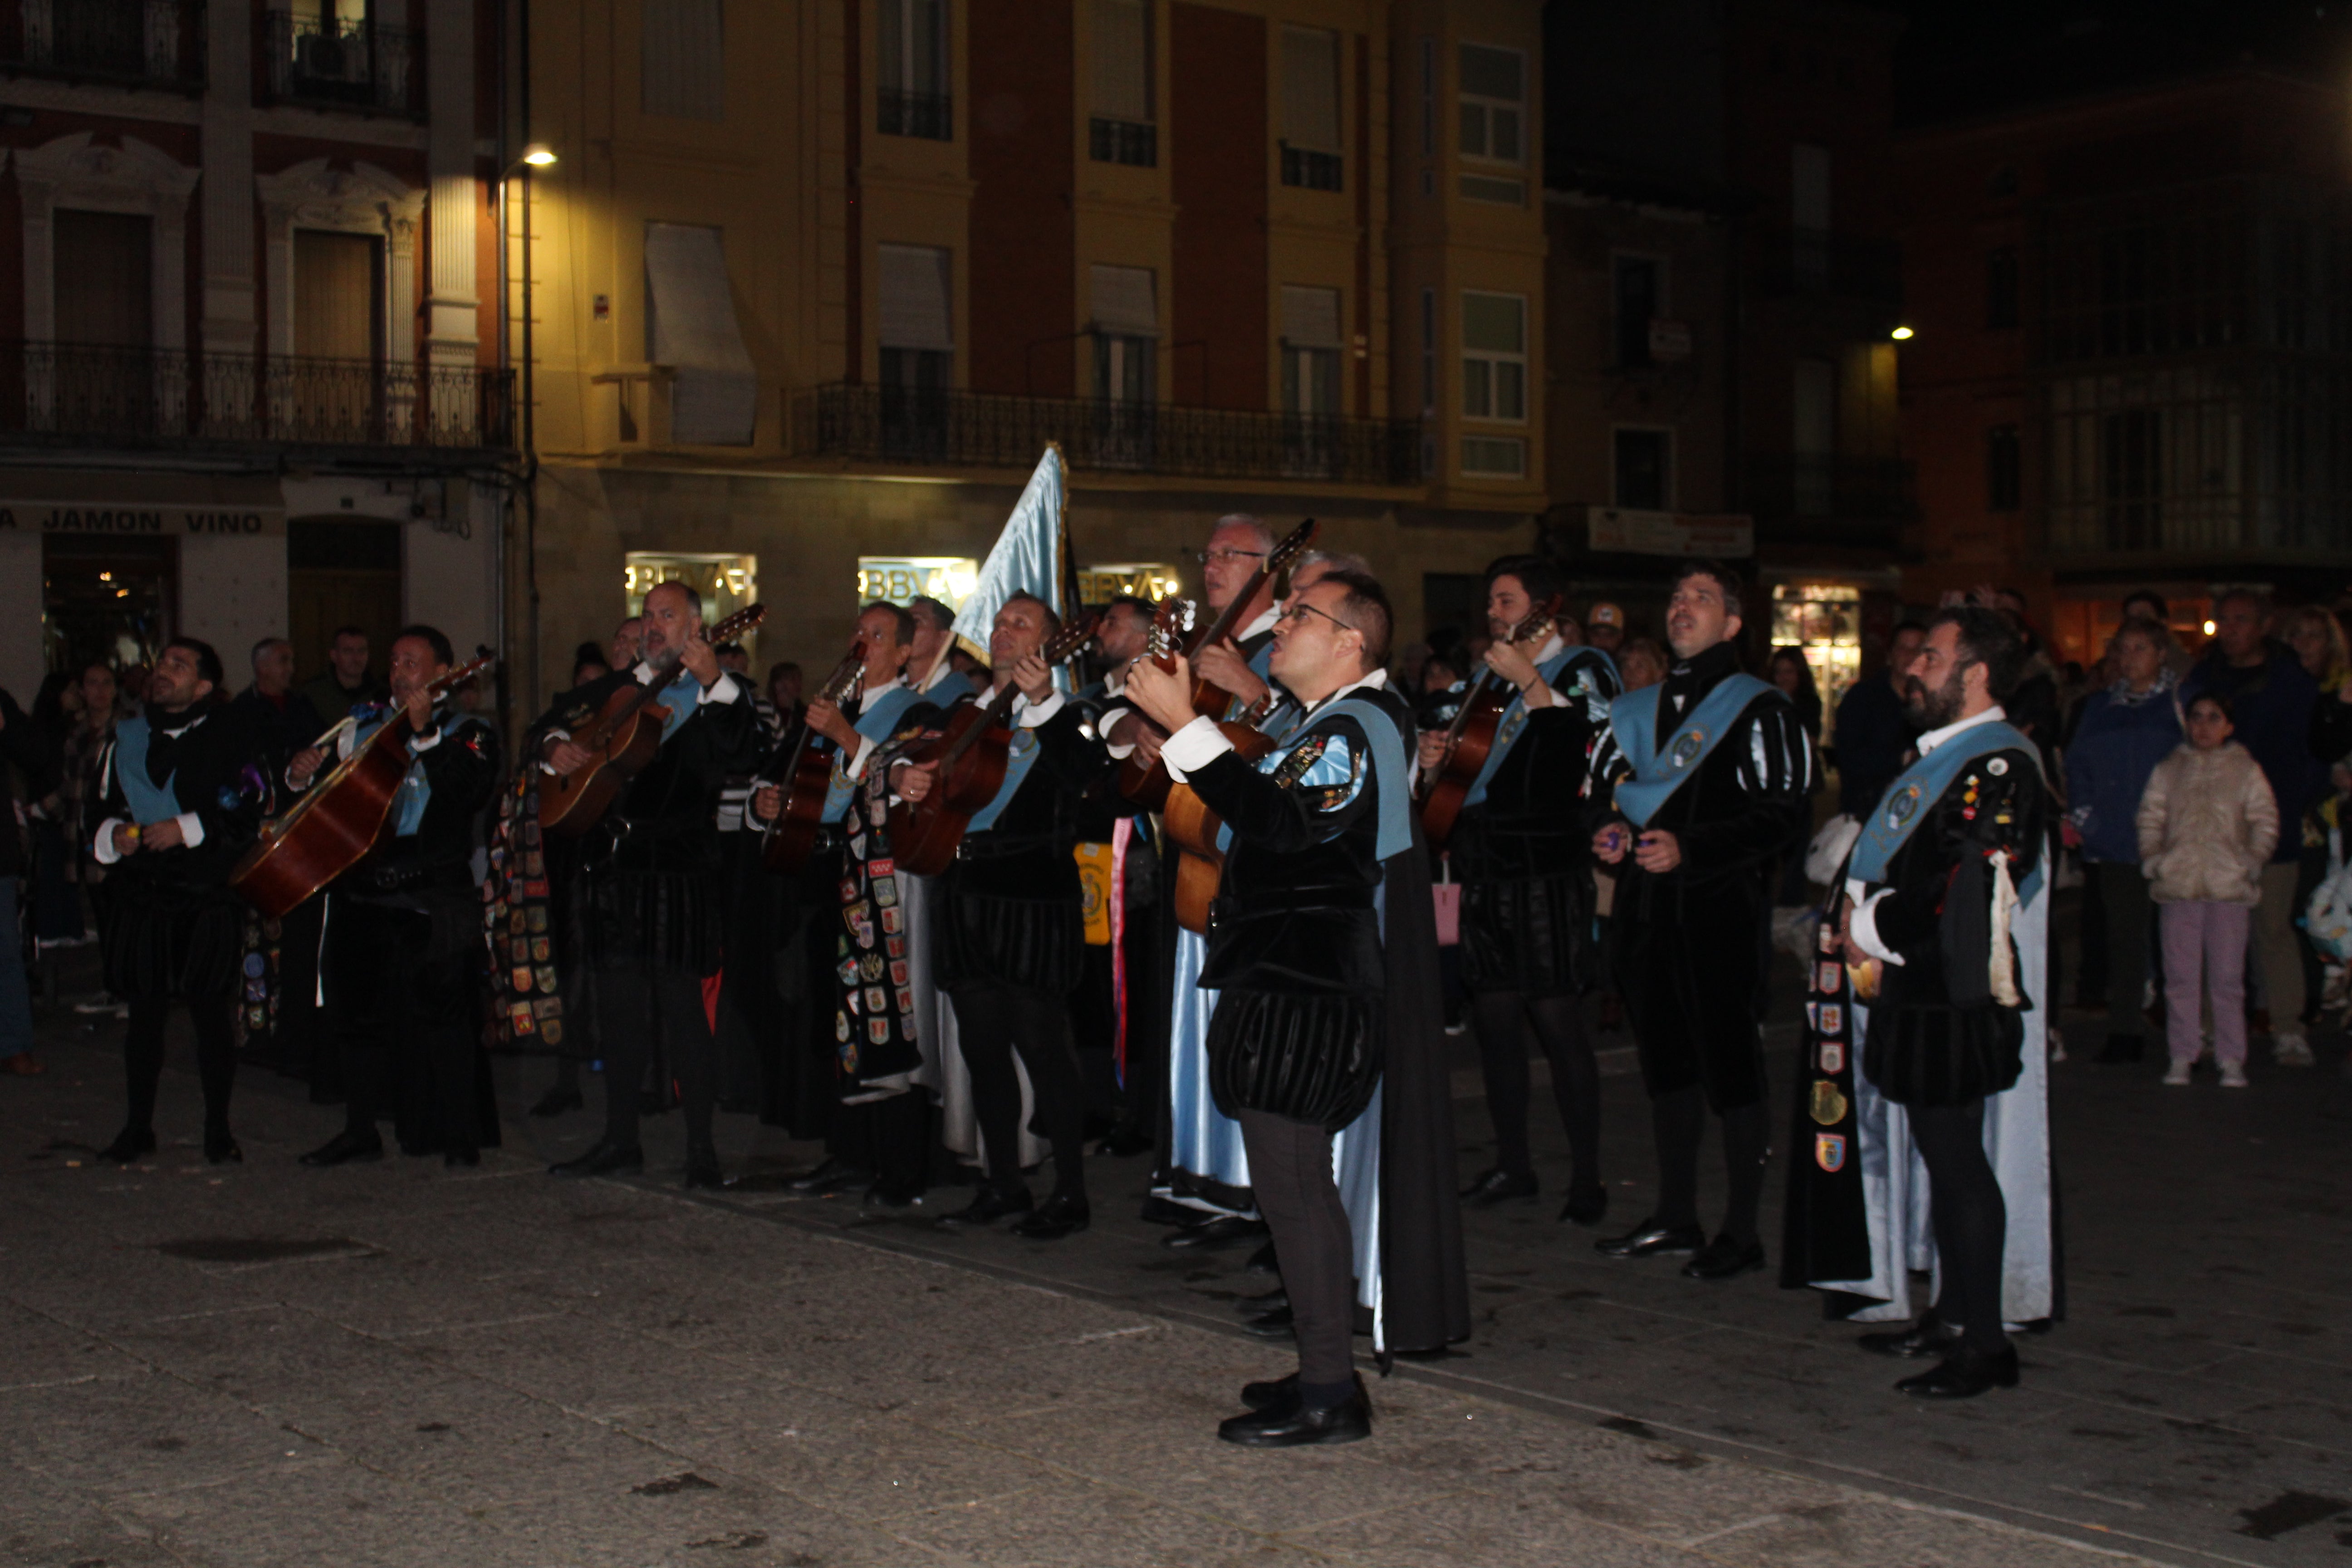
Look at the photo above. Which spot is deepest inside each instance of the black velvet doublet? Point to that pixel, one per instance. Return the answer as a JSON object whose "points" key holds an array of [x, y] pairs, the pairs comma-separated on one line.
{"points": [[169, 926]]}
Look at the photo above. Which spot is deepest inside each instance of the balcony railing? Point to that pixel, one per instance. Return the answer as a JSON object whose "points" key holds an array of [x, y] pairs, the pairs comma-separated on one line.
{"points": [[325, 63], [929, 115], [1821, 262], [1830, 500], [120, 43], [73, 395], [979, 430]]}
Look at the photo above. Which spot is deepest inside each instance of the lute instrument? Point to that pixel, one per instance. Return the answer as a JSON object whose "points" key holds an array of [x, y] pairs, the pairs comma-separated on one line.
{"points": [[342, 817], [787, 843], [1147, 783], [972, 749], [622, 740], [1470, 739], [1193, 828]]}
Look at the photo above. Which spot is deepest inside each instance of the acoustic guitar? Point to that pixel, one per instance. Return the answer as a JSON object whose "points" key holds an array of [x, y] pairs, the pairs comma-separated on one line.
{"points": [[1147, 783], [1470, 739], [972, 750], [787, 843], [343, 816], [622, 740], [1193, 828]]}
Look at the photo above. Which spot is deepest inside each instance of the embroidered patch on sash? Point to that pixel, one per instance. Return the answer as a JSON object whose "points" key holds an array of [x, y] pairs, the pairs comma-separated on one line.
{"points": [[1293, 767], [1829, 978], [1828, 937], [1904, 806], [1833, 1018], [1829, 1151], [1813, 1014], [1827, 1104], [1833, 1056], [1687, 749], [1998, 766], [871, 967]]}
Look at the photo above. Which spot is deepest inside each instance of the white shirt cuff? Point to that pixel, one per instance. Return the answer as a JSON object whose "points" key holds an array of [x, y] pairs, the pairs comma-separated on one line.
{"points": [[722, 689], [1865, 922], [855, 769], [103, 847], [1036, 714], [1103, 722], [426, 742], [1196, 745], [192, 829]]}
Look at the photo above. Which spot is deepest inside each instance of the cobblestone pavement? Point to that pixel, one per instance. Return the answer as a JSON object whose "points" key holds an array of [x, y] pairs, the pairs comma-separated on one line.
{"points": [[394, 1364]]}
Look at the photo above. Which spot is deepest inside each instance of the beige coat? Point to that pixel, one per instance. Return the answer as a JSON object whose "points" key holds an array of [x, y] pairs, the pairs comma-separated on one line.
{"points": [[2207, 824]]}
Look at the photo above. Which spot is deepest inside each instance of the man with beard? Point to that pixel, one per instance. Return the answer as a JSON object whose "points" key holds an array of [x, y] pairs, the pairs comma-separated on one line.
{"points": [[1008, 930], [403, 941], [646, 894], [1931, 964], [1526, 897], [183, 800], [1705, 780]]}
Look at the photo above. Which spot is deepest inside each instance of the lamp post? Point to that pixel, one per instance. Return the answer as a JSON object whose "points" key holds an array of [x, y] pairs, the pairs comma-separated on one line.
{"points": [[535, 155]]}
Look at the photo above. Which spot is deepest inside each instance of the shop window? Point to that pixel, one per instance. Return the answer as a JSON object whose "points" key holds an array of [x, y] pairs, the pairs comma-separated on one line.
{"points": [[107, 598], [1153, 580], [727, 584], [897, 579], [1823, 620]]}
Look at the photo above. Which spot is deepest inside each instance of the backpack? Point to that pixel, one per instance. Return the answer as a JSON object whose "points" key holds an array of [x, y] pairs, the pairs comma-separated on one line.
{"points": [[2327, 918]]}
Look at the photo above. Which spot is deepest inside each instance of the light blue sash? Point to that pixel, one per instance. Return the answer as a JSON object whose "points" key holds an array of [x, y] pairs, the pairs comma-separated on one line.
{"points": [[149, 802], [1017, 763], [416, 793], [875, 723], [1906, 804], [1658, 770], [681, 697], [1514, 717]]}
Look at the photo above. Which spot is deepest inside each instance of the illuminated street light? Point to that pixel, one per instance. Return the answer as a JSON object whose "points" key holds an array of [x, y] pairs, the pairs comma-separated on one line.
{"points": [[539, 154], [1901, 334]]}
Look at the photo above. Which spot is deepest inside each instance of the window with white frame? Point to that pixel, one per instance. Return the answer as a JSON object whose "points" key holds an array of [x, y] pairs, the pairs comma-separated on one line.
{"points": [[917, 327], [1493, 104], [912, 67], [1121, 130], [1126, 306], [1310, 350], [1494, 356], [1310, 109]]}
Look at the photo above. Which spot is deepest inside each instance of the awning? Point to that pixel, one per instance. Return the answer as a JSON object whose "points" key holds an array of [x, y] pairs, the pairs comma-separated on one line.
{"points": [[691, 322]]}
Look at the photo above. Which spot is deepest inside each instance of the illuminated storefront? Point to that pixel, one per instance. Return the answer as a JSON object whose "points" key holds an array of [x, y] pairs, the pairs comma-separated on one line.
{"points": [[727, 582], [1825, 620]]}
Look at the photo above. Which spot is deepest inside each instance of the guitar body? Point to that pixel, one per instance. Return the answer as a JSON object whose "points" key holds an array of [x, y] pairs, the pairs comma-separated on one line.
{"points": [[790, 841], [924, 834], [624, 739], [330, 830], [1149, 787], [1473, 744], [1193, 827]]}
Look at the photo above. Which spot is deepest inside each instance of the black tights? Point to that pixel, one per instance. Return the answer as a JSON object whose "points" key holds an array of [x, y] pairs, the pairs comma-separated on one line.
{"points": [[1680, 1119], [1970, 1218], [142, 1055], [994, 1021], [1503, 1017], [628, 1000]]}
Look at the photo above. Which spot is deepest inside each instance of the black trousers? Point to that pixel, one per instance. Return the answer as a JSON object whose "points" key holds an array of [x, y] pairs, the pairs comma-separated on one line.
{"points": [[214, 1018], [632, 1000], [1290, 1171], [1504, 1018], [1970, 1219], [405, 1026], [992, 1022]]}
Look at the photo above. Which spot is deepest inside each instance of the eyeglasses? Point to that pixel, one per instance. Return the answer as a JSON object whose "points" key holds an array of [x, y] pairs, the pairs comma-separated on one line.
{"points": [[1300, 610], [1226, 557]]}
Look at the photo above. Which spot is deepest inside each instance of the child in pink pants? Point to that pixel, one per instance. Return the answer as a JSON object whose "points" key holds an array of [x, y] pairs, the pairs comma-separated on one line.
{"points": [[2207, 824]]}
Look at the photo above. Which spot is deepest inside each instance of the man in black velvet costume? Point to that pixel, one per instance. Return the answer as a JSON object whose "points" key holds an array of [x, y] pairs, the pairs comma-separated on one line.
{"points": [[1702, 783], [403, 940], [646, 899], [1321, 947], [183, 798], [1526, 897], [1008, 931]]}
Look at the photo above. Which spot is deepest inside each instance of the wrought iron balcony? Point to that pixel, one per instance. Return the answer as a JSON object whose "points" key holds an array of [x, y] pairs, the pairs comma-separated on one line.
{"points": [[325, 63], [120, 43], [86, 396], [1830, 500], [928, 428], [1826, 264], [929, 115]]}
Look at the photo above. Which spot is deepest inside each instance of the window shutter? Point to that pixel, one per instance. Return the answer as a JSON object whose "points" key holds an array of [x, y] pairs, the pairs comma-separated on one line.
{"points": [[683, 65], [1310, 317], [1310, 88], [1125, 301], [916, 312], [690, 324], [1123, 59]]}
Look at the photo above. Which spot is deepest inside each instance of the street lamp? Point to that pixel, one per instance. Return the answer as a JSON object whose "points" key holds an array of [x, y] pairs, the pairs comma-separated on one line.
{"points": [[1901, 334], [539, 155]]}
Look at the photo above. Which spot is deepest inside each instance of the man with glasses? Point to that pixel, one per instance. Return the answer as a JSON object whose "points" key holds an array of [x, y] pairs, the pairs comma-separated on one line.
{"points": [[1322, 952], [1702, 783]]}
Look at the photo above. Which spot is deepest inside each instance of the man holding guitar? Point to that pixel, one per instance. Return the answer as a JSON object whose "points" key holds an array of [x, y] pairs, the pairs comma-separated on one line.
{"points": [[1008, 927], [1527, 896], [402, 966], [648, 889]]}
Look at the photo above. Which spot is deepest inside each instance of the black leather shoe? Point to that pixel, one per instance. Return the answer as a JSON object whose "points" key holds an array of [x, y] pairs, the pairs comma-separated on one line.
{"points": [[989, 1207], [344, 1148], [1277, 1324], [1724, 1258], [702, 1170], [604, 1158], [1585, 1205], [221, 1148], [1288, 1423], [461, 1157], [129, 1144], [1263, 1261], [1277, 1297], [1125, 1142], [1650, 1237], [556, 1101], [1928, 1337], [1265, 1395], [893, 1194], [2121, 1048], [1059, 1215], [1224, 1230], [1496, 1186], [832, 1177], [1964, 1374]]}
